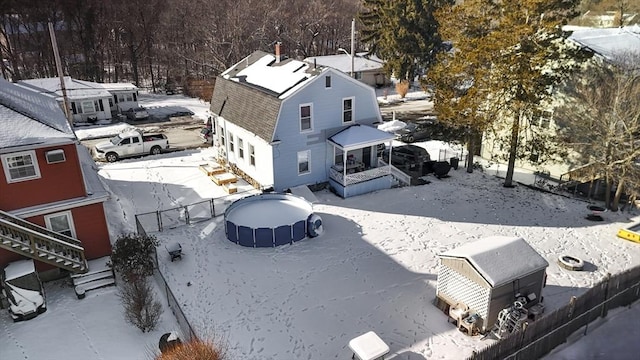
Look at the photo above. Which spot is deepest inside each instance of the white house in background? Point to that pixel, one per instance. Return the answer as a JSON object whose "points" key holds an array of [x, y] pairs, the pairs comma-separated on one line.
{"points": [[124, 96], [606, 43], [283, 123], [366, 68], [89, 101]]}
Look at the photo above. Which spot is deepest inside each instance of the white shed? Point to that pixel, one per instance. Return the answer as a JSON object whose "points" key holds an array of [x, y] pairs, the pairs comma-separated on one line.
{"points": [[488, 275]]}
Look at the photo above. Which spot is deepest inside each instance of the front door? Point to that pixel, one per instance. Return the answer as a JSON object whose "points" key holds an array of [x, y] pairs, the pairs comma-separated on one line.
{"points": [[366, 157]]}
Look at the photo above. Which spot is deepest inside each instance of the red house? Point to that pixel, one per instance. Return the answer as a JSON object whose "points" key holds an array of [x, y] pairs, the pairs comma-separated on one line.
{"points": [[51, 200]]}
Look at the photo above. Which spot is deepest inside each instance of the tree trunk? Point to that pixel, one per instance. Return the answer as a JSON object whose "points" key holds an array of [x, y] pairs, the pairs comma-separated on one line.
{"points": [[607, 194], [470, 149], [513, 148], [616, 199]]}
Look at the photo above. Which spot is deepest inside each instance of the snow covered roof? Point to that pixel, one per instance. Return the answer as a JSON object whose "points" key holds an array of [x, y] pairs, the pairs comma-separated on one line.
{"points": [[109, 86], [500, 259], [342, 62], [28, 118], [608, 42], [356, 136], [262, 71], [76, 89], [18, 269]]}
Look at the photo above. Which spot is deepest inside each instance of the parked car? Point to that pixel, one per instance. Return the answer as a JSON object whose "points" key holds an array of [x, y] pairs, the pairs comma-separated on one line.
{"points": [[21, 290], [133, 143], [138, 113], [416, 131], [408, 156]]}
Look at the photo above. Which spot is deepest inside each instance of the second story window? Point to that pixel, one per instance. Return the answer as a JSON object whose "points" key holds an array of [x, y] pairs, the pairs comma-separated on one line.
{"points": [[347, 110], [231, 143], [252, 155], [222, 136], [327, 82], [240, 148], [305, 117], [21, 166]]}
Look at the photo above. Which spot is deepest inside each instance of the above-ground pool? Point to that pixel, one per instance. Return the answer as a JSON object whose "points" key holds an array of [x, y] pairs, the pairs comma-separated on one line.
{"points": [[270, 219]]}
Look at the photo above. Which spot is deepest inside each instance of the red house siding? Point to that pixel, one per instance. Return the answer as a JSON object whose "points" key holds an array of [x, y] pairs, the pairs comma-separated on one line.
{"points": [[91, 228], [58, 181]]}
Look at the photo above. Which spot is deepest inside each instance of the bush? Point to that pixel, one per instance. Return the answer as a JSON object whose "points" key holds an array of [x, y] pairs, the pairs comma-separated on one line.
{"points": [[132, 255], [140, 307], [195, 350], [402, 88]]}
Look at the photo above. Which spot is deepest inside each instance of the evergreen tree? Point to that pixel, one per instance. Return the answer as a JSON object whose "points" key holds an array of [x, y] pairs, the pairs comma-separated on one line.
{"points": [[507, 57], [402, 32]]}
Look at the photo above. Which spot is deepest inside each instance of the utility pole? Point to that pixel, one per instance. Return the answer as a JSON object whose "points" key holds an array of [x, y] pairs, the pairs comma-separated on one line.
{"points": [[56, 55], [353, 42]]}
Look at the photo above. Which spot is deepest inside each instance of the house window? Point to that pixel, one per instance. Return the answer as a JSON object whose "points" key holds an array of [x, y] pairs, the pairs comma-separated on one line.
{"points": [[357, 75], [61, 223], [347, 110], [55, 156], [252, 155], [21, 166], [305, 117], [74, 109], [231, 143], [88, 106], [222, 143], [110, 102], [545, 119], [327, 82], [303, 162], [240, 148]]}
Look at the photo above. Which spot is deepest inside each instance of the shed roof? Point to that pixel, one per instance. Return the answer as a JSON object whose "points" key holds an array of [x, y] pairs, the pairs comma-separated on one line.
{"points": [[499, 259]]}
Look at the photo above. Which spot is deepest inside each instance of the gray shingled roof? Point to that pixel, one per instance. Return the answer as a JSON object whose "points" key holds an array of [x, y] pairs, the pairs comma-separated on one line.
{"points": [[249, 108]]}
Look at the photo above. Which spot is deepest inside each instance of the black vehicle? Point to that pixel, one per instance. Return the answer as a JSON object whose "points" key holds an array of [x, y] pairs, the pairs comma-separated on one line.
{"points": [[416, 131], [408, 156]]}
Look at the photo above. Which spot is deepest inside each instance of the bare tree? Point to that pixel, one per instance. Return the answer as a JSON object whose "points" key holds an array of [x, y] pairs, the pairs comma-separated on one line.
{"points": [[600, 118]]}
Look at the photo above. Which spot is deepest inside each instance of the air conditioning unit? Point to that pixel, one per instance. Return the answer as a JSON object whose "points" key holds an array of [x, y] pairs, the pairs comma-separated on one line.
{"points": [[55, 156]]}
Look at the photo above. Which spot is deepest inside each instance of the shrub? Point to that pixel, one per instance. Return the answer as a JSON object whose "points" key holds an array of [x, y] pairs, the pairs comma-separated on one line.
{"points": [[195, 350], [402, 88], [140, 307], [132, 255]]}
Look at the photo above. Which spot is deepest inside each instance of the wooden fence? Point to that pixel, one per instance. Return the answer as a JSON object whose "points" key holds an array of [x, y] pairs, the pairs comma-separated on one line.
{"points": [[540, 337]]}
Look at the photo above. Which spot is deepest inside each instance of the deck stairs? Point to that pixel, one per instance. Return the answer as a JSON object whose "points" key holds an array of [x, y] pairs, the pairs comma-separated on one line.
{"points": [[39, 243], [100, 275]]}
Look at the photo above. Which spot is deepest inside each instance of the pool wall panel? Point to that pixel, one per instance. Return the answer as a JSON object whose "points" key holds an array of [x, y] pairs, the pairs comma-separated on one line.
{"points": [[245, 236], [283, 235], [232, 232], [264, 237], [299, 230]]}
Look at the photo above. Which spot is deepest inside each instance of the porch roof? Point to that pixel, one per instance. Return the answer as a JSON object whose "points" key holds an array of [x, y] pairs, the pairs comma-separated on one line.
{"points": [[357, 136]]}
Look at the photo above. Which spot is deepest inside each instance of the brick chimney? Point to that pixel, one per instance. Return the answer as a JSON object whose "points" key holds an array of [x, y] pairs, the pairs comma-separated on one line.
{"points": [[278, 52]]}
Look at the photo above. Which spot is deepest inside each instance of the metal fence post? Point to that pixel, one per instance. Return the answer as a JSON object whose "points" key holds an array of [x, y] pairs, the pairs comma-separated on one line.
{"points": [[186, 214]]}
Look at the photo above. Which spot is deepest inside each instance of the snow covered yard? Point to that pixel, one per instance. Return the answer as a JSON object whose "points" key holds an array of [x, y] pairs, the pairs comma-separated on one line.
{"points": [[374, 268]]}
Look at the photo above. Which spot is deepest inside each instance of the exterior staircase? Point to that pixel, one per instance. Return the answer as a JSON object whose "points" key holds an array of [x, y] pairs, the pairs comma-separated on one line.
{"points": [[39, 243]]}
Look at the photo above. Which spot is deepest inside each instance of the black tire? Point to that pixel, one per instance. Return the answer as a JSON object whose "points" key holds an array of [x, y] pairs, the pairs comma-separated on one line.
{"points": [[156, 150], [410, 138], [111, 157]]}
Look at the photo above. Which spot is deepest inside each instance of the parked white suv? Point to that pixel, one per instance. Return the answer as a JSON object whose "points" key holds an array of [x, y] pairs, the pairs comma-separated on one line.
{"points": [[138, 113]]}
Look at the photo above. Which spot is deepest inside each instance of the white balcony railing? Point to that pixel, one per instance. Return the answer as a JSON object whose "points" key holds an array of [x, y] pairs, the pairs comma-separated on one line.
{"points": [[358, 177]]}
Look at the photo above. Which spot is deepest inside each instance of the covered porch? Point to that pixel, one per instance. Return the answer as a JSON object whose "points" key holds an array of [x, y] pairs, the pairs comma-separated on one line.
{"points": [[356, 166]]}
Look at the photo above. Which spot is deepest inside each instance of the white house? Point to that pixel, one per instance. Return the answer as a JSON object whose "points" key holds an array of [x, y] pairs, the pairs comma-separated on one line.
{"points": [[89, 101], [366, 68], [282, 123]]}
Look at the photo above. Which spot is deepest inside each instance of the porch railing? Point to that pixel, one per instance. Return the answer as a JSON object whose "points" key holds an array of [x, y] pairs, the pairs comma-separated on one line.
{"points": [[402, 177], [358, 177]]}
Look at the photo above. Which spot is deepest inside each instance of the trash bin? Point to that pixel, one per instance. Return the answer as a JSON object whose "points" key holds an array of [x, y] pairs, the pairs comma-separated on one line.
{"points": [[454, 161]]}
